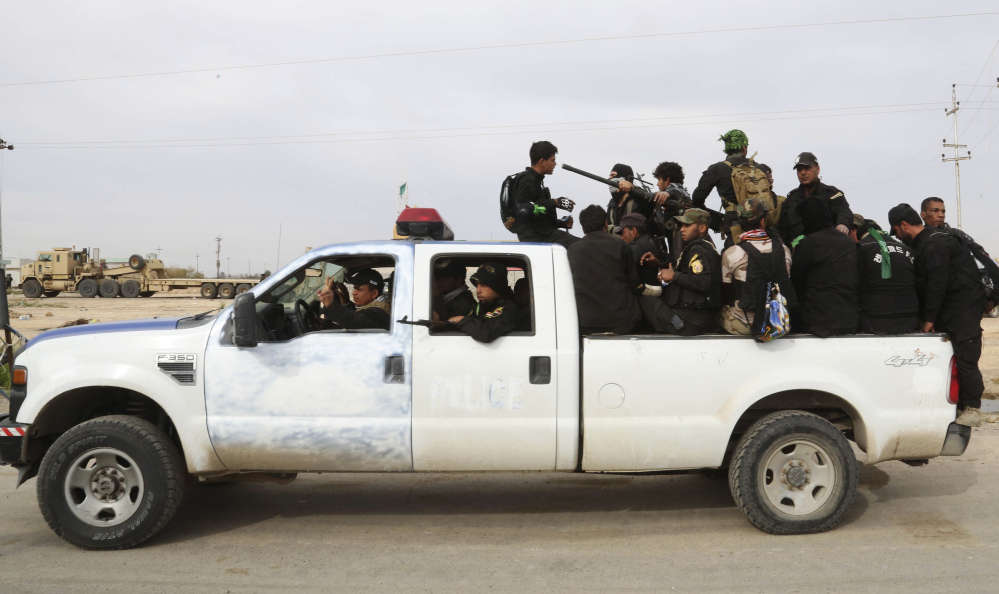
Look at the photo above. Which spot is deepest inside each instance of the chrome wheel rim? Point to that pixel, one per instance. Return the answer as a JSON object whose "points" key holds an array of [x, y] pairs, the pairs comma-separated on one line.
{"points": [[798, 477], [103, 487]]}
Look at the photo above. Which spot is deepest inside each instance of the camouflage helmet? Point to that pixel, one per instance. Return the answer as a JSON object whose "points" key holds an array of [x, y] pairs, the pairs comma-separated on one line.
{"points": [[753, 209], [694, 216]]}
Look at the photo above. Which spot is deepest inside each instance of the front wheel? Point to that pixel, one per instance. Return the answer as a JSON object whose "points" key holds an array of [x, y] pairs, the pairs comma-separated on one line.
{"points": [[793, 472], [110, 483], [31, 288]]}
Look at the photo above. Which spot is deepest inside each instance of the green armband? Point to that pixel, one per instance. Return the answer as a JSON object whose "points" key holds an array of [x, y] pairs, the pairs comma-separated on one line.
{"points": [[540, 210], [796, 241]]}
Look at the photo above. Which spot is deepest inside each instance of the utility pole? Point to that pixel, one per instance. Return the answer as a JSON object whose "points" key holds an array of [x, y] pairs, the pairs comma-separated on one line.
{"points": [[228, 267], [7, 356], [158, 253], [197, 263], [218, 250], [957, 158]]}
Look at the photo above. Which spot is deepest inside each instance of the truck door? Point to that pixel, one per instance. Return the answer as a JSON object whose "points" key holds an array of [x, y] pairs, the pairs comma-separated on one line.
{"points": [[483, 406], [325, 400]]}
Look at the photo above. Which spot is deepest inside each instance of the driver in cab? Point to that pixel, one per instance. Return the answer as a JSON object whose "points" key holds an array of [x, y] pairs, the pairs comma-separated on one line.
{"points": [[366, 311]]}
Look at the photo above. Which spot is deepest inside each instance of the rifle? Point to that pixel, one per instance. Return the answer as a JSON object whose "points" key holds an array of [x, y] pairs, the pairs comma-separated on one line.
{"points": [[424, 323], [636, 190]]}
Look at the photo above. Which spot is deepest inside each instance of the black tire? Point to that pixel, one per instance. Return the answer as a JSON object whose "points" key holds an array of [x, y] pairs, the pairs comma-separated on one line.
{"points": [[131, 289], [52, 293], [110, 288], [31, 288], [136, 262], [242, 288], [819, 469], [146, 293], [88, 288], [227, 291], [208, 291], [136, 479]]}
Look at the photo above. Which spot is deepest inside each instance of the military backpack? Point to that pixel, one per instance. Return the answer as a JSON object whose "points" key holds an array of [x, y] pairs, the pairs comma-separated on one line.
{"points": [[749, 181]]}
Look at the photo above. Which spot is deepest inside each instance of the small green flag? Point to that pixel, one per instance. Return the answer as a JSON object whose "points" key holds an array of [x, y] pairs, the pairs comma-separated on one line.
{"points": [[402, 190]]}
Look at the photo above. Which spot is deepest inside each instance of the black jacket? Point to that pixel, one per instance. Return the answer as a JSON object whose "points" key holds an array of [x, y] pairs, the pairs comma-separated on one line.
{"points": [[718, 176], [491, 320], [606, 282], [825, 274], [695, 293], [949, 285], [642, 245], [460, 305], [887, 305], [351, 318], [790, 225], [529, 186]]}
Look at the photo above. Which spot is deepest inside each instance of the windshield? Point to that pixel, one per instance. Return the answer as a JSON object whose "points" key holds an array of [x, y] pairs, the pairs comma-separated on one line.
{"points": [[303, 284]]}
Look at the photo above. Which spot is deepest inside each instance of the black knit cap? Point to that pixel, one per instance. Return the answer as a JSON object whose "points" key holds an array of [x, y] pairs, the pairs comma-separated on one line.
{"points": [[624, 171], [492, 275], [903, 212]]}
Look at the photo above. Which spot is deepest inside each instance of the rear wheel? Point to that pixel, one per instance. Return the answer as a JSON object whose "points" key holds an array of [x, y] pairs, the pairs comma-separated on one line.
{"points": [[136, 262], [88, 288], [110, 483], [227, 291], [131, 289], [793, 472], [242, 288], [31, 288], [208, 291], [110, 288]]}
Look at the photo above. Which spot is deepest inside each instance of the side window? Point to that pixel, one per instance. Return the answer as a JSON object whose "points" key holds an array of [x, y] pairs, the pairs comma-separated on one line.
{"points": [[363, 304], [45, 258], [58, 257], [454, 293]]}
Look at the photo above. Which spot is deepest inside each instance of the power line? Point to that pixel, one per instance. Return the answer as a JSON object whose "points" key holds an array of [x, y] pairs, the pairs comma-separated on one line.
{"points": [[498, 46], [431, 136], [462, 129], [975, 85]]}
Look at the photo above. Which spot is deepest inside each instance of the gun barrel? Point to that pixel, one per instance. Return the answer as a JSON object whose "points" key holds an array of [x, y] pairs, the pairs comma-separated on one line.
{"points": [[636, 190]]}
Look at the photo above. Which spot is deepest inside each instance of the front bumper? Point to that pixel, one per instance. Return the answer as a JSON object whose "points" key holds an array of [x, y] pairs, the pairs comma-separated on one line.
{"points": [[13, 438], [956, 441]]}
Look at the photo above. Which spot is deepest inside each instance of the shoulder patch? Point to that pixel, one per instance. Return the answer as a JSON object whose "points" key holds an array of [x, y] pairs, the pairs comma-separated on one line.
{"points": [[696, 266], [836, 195], [495, 313]]}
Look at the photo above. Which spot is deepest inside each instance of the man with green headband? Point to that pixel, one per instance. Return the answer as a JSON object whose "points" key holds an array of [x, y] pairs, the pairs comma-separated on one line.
{"points": [[719, 177], [889, 303]]}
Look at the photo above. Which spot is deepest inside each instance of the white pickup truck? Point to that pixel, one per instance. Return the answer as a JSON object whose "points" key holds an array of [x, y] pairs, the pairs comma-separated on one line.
{"points": [[117, 419]]}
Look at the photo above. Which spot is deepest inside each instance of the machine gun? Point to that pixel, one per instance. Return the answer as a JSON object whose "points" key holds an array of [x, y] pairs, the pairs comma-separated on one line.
{"points": [[661, 225]]}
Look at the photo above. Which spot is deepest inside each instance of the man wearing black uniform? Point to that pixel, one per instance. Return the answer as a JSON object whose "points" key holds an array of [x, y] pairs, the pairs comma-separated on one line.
{"points": [[634, 232], [790, 226], [496, 314], [365, 311], [952, 300], [622, 203], [719, 177], [692, 294], [888, 300], [825, 274], [534, 200], [604, 277], [452, 297]]}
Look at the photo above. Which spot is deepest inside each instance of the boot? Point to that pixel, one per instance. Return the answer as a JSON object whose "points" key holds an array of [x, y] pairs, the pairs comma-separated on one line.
{"points": [[970, 417]]}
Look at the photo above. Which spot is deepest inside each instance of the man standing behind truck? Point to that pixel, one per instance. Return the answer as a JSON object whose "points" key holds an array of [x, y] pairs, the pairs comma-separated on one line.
{"points": [[535, 204], [952, 300]]}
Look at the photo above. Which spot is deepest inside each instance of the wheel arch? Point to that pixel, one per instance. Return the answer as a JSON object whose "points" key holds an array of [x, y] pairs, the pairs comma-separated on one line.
{"points": [[835, 409]]}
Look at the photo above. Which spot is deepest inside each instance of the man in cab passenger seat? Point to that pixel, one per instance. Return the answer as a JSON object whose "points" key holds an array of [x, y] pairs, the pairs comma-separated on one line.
{"points": [[366, 311], [496, 313]]}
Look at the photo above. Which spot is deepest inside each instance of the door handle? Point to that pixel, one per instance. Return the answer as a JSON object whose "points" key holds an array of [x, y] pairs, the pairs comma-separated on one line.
{"points": [[395, 369], [540, 370]]}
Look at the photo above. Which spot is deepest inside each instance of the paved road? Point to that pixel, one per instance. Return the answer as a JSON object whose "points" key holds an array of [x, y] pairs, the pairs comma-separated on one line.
{"points": [[930, 529]]}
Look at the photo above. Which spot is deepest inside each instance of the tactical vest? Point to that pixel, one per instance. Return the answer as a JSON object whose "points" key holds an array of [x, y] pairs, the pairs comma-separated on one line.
{"points": [[681, 298], [762, 269]]}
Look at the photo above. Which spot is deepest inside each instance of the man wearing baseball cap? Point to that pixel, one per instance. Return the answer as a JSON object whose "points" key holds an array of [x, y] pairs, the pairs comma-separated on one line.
{"points": [[365, 311], [952, 300], [790, 227], [692, 292], [496, 314], [633, 230]]}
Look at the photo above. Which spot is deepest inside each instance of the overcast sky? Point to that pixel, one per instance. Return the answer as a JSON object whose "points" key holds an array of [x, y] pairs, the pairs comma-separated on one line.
{"points": [[171, 166]]}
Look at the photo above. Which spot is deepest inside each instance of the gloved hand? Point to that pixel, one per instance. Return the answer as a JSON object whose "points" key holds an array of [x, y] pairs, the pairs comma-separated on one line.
{"points": [[565, 204], [566, 222]]}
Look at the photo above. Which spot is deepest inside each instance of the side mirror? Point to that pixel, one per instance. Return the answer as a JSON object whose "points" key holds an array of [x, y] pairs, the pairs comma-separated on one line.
{"points": [[244, 320]]}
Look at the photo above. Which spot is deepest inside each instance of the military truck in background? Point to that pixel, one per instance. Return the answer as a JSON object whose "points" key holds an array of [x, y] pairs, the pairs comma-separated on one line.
{"points": [[66, 269]]}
